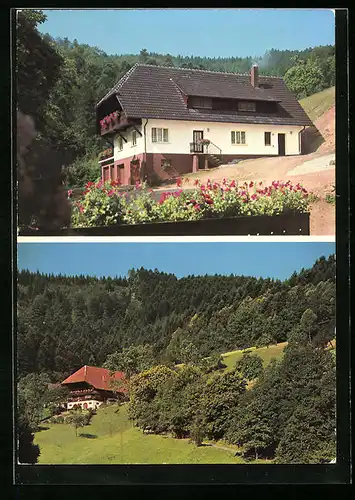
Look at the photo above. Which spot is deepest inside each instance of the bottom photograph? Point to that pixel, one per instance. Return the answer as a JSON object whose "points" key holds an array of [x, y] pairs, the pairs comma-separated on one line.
{"points": [[176, 353]]}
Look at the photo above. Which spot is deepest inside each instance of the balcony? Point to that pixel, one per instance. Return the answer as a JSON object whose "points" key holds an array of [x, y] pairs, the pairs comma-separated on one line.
{"points": [[110, 122], [205, 146]]}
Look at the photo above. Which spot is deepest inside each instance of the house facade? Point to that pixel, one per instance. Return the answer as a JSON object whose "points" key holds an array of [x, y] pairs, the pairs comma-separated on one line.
{"points": [[90, 387], [162, 122]]}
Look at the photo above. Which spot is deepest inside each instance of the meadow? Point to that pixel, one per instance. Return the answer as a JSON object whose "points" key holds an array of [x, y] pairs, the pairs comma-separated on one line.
{"points": [[112, 439]]}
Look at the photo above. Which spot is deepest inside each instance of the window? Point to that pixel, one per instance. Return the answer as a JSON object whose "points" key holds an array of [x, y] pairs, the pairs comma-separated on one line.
{"points": [[238, 137], [120, 143], [160, 135], [134, 138], [267, 138], [201, 102], [246, 106]]}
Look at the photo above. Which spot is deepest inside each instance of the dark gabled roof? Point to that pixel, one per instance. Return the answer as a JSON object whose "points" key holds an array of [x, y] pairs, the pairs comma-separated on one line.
{"points": [[209, 84], [148, 91]]}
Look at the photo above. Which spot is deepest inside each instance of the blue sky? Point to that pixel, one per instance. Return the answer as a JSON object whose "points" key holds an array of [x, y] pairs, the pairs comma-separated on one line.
{"points": [[275, 260], [204, 32]]}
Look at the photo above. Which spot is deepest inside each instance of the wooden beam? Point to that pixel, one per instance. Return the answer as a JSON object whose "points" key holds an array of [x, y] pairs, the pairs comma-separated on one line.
{"points": [[136, 129], [125, 140]]}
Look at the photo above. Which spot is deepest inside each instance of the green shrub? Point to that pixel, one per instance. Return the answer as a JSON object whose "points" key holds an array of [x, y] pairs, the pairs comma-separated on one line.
{"points": [[100, 205], [250, 366]]}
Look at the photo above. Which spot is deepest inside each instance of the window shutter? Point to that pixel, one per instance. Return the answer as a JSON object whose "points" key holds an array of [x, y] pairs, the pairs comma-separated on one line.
{"points": [[159, 135], [242, 137], [233, 137], [237, 137], [154, 134], [165, 135]]}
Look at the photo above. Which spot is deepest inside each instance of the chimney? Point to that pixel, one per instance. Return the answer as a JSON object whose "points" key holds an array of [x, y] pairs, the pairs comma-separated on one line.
{"points": [[254, 75]]}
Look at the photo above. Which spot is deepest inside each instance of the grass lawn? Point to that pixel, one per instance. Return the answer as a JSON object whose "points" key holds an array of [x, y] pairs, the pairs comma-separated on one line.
{"points": [[266, 354], [317, 104], [102, 442]]}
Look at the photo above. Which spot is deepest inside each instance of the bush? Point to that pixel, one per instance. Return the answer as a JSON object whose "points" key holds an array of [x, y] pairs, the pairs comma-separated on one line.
{"points": [[82, 171], [100, 205], [250, 366], [104, 204]]}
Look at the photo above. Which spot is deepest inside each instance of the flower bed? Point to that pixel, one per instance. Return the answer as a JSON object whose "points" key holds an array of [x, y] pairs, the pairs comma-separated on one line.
{"points": [[104, 204]]}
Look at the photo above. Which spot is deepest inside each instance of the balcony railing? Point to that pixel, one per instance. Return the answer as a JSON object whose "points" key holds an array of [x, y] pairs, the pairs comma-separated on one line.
{"points": [[205, 147]]}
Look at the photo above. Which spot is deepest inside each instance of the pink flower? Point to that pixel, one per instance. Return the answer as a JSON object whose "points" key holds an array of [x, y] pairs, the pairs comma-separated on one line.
{"points": [[254, 197], [137, 185], [81, 208], [70, 192], [197, 207], [111, 192], [232, 184]]}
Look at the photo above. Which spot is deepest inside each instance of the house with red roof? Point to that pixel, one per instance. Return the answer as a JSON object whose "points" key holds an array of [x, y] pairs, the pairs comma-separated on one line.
{"points": [[91, 386], [165, 121]]}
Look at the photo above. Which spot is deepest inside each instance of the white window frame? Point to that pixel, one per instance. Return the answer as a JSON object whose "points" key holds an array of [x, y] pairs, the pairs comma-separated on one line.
{"points": [[238, 137], [119, 143], [267, 132], [160, 135], [134, 138], [246, 106]]}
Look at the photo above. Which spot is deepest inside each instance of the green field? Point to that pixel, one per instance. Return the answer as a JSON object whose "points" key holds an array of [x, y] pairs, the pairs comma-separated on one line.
{"points": [[266, 354], [104, 443], [317, 104]]}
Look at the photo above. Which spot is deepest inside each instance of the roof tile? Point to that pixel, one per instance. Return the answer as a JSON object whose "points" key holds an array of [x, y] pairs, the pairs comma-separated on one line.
{"points": [[148, 91]]}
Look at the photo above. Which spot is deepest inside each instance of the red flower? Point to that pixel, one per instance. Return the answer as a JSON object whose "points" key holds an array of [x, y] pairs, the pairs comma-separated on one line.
{"points": [[81, 208], [197, 207], [70, 192], [232, 184], [251, 184], [179, 182], [197, 182], [254, 197]]}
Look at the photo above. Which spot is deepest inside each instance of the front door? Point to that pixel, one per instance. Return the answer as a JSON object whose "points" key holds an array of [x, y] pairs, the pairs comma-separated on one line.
{"points": [[197, 136], [281, 141]]}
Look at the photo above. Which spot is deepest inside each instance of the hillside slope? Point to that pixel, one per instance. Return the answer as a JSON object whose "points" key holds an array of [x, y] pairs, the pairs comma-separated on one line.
{"points": [[317, 104]]}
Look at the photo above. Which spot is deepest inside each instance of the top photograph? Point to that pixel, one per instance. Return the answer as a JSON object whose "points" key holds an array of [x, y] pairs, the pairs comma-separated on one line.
{"points": [[175, 122]]}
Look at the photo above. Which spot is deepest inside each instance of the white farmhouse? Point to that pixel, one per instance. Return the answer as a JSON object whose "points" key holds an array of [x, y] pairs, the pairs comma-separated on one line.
{"points": [[162, 121]]}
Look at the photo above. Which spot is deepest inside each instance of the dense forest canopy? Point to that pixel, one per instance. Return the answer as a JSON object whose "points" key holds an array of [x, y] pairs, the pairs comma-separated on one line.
{"points": [[64, 91], [150, 322], [65, 322]]}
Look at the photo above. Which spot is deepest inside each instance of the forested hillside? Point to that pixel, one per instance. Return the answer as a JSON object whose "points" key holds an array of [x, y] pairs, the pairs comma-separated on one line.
{"points": [[61, 94], [66, 322]]}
